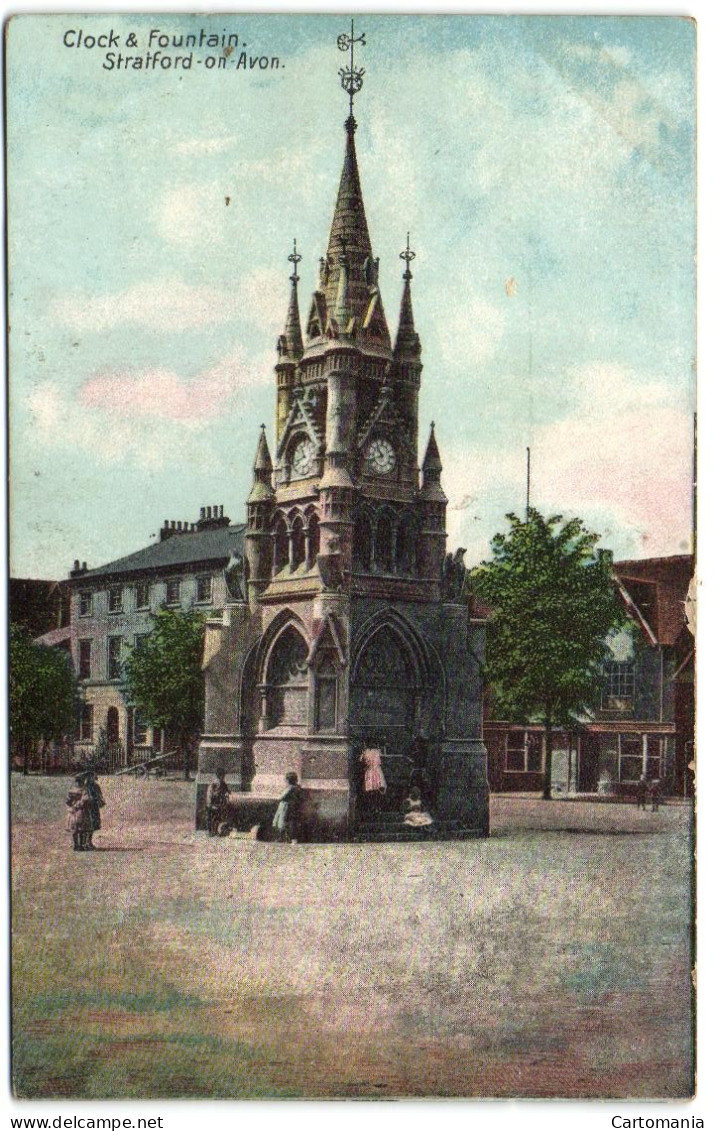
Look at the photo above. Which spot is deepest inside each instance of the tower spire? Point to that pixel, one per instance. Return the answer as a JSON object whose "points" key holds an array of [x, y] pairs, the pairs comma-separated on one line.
{"points": [[407, 340], [293, 336], [262, 489]]}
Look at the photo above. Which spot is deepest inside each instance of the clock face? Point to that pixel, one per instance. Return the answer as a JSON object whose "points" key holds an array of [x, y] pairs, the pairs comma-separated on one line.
{"points": [[381, 457], [304, 461]]}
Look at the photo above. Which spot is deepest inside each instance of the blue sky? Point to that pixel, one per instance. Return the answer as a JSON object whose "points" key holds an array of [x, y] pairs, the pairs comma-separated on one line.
{"points": [[555, 152]]}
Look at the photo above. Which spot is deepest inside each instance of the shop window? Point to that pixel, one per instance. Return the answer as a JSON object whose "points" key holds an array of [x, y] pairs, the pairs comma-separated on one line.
{"points": [[524, 752], [631, 758]]}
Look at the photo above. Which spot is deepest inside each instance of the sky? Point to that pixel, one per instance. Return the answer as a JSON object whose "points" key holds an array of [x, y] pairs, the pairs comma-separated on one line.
{"points": [[544, 167]]}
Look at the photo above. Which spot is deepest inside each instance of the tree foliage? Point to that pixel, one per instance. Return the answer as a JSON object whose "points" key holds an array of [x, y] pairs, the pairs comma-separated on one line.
{"points": [[553, 605], [43, 692], [163, 677]]}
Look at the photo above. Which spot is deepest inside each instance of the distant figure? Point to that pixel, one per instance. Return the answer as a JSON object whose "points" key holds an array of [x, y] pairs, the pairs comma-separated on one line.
{"points": [[79, 820], [217, 802], [655, 795], [374, 784], [96, 798], [641, 792], [416, 817], [287, 818]]}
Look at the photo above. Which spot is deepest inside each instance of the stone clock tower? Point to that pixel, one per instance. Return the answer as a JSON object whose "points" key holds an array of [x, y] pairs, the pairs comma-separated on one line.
{"points": [[349, 628]]}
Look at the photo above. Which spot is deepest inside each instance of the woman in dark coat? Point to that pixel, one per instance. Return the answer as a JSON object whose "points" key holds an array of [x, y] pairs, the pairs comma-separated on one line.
{"points": [[96, 803]]}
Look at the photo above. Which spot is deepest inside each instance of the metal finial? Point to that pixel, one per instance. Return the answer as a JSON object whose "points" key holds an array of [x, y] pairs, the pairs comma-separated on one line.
{"points": [[350, 77], [295, 260], [408, 256]]}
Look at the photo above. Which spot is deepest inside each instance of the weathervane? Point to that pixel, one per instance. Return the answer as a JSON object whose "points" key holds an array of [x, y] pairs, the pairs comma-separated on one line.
{"points": [[408, 256], [295, 260], [350, 78]]}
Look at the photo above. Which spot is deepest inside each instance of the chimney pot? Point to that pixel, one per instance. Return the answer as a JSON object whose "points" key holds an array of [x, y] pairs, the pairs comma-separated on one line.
{"points": [[84, 567], [215, 512], [221, 510], [76, 563]]}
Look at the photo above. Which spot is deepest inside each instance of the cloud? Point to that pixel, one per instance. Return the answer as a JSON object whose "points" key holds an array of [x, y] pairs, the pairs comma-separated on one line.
{"points": [[166, 305], [614, 55], [164, 395], [622, 461], [470, 330], [202, 145], [114, 416]]}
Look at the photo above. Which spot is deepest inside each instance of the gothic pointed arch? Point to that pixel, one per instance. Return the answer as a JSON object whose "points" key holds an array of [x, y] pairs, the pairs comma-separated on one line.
{"points": [[384, 554], [285, 678], [363, 540], [281, 551], [406, 543]]}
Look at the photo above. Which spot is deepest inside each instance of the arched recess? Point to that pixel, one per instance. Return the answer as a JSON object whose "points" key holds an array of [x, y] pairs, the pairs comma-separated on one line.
{"points": [[312, 545], [397, 697], [283, 661], [281, 546], [363, 539], [384, 553], [297, 543], [406, 544]]}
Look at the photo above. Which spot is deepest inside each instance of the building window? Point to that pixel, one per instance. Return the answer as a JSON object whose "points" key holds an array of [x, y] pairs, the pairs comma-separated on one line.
{"points": [[115, 599], [84, 658], [139, 637], [85, 604], [173, 591], [141, 594], [618, 685], [203, 590], [84, 723], [114, 657], [630, 758], [523, 752], [141, 730]]}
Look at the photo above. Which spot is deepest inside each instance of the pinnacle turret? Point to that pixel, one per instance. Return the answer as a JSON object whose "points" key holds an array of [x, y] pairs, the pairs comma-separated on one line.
{"points": [[290, 343], [407, 340], [262, 489], [432, 471]]}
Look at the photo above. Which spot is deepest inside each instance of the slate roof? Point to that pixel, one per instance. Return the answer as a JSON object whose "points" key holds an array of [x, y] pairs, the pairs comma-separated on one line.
{"points": [[193, 548]]}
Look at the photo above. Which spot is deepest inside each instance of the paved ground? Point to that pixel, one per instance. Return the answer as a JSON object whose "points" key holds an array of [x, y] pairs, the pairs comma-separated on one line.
{"points": [[551, 960]]}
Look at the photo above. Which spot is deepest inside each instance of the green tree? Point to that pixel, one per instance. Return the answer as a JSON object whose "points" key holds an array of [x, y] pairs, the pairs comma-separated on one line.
{"points": [[553, 605], [43, 693], [164, 680]]}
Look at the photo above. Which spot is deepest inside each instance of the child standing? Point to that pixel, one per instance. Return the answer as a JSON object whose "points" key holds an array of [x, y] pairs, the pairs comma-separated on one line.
{"points": [[79, 818]]}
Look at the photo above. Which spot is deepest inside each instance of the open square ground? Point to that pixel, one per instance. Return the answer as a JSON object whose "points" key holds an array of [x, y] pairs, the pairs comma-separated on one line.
{"points": [[553, 959]]}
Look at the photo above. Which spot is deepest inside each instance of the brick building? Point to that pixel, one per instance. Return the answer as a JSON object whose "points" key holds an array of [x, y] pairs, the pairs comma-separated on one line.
{"points": [[644, 723]]}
